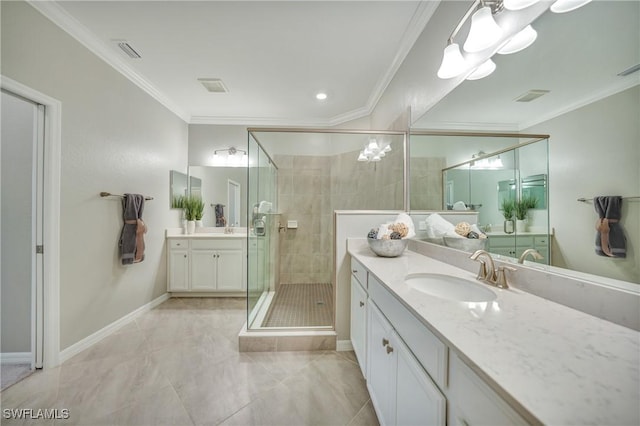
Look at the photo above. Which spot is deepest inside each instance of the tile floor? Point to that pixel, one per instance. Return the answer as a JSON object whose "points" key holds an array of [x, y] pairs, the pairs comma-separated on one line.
{"points": [[179, 365]]}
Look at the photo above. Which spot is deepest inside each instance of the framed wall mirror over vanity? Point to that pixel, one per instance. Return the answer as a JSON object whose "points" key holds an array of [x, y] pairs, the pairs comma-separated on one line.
{"points": [[587, 100]]}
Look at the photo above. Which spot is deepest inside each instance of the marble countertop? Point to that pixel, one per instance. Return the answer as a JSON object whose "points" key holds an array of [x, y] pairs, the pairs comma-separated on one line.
{"points": [[554, 363]]}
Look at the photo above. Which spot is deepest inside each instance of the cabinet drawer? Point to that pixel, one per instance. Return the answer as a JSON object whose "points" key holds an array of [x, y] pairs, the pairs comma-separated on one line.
{"points": [[540, 241], [216, 243], [502, 241], [524, 241], [179, 244], [473, 402], [426, 347], [359, 272]]}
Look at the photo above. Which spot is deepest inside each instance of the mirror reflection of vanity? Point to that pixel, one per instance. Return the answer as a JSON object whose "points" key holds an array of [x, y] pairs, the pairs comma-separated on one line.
{"points": [[590, 113]]}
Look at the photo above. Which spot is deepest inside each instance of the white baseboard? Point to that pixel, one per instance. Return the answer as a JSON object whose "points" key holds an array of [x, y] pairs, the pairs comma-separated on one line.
{"points": [[16, 358], [344, 345], [94, 338]]}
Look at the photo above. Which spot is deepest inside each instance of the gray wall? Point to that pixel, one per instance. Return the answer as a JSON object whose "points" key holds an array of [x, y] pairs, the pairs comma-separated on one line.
{"points": [[115, 138], [594, 150], [17, 158]]}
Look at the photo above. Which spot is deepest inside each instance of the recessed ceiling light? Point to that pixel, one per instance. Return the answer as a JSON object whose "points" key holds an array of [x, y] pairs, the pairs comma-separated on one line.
{"points": [[531, 95], [321, 96]]}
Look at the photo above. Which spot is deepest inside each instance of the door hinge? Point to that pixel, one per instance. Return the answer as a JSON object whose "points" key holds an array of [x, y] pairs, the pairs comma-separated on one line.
{"points": [[39, 249]]}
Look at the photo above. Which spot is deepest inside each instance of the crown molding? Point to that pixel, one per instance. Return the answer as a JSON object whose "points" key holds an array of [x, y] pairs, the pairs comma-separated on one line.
{"points": [[470, 126], [59, 16], [419, 21]]}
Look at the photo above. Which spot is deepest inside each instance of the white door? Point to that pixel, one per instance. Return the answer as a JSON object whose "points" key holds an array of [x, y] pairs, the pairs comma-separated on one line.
{"points": [[178, 270], [381, 366], [230, 271], [418, 400], [22, 172], [359, 323], [233, 201], [203, 270]]}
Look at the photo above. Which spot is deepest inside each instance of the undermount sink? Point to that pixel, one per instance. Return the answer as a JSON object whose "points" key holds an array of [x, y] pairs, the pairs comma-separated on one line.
{"points": [[451, 288]]}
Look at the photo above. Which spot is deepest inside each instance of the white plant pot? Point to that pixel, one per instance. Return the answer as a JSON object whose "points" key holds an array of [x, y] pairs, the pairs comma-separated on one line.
{"points": [[521, 226], [191, 227], [198, 224]]}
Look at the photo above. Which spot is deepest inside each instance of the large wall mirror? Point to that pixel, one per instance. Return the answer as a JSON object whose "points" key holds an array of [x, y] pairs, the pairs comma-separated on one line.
{"points": [[211, 184], [589, 108]]}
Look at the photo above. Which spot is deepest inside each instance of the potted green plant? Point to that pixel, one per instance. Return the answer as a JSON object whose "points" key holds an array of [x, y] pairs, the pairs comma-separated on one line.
{"points": [[199, 210], [521, 211], [189, 205], [508, 207]]}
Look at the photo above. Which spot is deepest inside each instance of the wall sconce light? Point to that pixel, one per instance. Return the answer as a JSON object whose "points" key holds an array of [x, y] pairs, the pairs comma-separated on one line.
{"points": [[484, 33], [233, 157], [374, 151]]}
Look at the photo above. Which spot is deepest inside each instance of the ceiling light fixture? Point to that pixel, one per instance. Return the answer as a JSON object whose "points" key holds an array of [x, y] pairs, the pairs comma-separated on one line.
{"points": [[233, 157], [483, 70], [520, 41], [321, 96], [563, 6], [374, 151], [485, 163], [484, 31]]}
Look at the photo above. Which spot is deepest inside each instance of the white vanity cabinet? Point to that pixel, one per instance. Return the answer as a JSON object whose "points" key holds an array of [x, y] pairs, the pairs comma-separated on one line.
{"points": [[206, 265], [359, 313], [401, 391], [412, 376], [514, 245]]}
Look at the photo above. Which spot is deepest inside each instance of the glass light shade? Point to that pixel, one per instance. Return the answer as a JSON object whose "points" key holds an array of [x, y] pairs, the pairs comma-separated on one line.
{"points": [[453, 64], [484, 31], [520, 41], [518, 4], [562, 6], [376, 158], [362, 157], [382, 154], [483, 70], [373, 145], [387, 148]]}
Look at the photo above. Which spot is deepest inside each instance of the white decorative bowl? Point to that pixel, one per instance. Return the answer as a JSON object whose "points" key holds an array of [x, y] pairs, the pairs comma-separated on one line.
{"points": [[387, 248]]}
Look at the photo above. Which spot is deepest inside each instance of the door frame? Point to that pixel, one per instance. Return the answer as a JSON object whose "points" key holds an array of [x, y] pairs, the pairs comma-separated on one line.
{"points": [[51, 216]]}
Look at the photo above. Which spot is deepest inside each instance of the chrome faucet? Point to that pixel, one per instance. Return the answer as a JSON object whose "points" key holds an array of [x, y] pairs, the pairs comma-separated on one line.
{"points": [[490, 275], [534, 254]]}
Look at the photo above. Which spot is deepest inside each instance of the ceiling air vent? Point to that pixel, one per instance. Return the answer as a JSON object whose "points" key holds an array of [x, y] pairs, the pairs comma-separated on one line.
{"points": [[531, 95], [214, 85], [126, 48]]}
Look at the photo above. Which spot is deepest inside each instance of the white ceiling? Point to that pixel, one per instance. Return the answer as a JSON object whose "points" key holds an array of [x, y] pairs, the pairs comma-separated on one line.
{"points": [[577, 56], [272, 56]]}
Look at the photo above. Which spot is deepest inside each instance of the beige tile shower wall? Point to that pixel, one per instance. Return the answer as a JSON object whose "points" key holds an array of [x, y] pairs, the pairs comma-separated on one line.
{"points": [[426, 183], [368, 186], [304, 194], [310, 188]]}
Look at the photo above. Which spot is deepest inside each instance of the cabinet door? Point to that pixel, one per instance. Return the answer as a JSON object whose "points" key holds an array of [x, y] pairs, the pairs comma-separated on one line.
{"points": [[381, 366], [230, 270], [178, 270], [418, 400], [203, 270], [472, 402], [359, 323]]}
